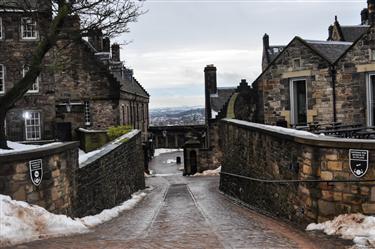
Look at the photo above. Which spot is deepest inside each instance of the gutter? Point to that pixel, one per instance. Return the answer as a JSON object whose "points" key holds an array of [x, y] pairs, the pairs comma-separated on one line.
{"points": [[333, 75]]}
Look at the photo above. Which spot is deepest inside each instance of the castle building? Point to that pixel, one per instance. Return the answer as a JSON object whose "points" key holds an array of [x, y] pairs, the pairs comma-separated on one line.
{"points": [[83, 83]]}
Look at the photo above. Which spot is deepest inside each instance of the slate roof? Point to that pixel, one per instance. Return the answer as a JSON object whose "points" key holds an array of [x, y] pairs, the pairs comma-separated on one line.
{"points": [[24, 5], [352, 33], [218, 100], [131, 85], [331, 50]]}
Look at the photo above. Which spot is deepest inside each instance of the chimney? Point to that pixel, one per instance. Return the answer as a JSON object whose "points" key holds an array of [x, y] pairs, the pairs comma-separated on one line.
{"points": [[371, 12], [364, 16], [96, 39], [210, 79], [106, 45], [115, 52], [266, 41], [330, 33]]}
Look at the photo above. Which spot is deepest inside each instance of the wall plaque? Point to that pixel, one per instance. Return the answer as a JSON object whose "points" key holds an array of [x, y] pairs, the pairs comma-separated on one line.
{"points": [[36, 171], [358, 161]]}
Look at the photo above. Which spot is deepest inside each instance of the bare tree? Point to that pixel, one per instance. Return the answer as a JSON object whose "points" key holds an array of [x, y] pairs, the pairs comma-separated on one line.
{"points": [[112, 17]]}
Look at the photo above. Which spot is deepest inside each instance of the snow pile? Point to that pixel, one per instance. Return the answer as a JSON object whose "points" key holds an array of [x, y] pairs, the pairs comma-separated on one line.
{"points": [[169, 161], [17, 147], [215, 172], [356, 227], [108, 214], [21, 222], [163, 151]]}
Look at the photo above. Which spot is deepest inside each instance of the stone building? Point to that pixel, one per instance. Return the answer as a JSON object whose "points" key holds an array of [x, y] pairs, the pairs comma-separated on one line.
{"points": [[320, 81], [83, 83]]}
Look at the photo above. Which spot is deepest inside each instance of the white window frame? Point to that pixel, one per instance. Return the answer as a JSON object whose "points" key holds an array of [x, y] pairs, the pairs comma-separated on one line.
{"points": [[22, 29], [292, 99], [2, 69], [369, 100], [36, 128], [35, 86]]}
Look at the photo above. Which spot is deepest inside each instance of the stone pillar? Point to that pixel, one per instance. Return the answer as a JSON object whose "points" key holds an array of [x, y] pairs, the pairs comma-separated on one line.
{"points": [[371, 12], [116, 52]]}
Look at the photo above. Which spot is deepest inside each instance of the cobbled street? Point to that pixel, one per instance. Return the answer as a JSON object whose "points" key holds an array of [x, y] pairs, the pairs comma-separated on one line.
{"points": [[189, 212]]}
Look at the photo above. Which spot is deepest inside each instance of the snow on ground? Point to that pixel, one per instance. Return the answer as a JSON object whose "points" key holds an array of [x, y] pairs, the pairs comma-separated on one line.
{"points": [[21, 222], [17, 147], [163, 151], [356, 227], [215, 172], [169, 161]]}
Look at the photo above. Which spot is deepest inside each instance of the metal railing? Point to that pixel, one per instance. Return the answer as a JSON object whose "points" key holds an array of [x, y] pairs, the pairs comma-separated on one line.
{"points": [[296, 181]]}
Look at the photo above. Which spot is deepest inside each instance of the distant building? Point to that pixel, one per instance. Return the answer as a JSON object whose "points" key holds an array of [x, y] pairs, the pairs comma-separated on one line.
{"points": [[83, 83]]}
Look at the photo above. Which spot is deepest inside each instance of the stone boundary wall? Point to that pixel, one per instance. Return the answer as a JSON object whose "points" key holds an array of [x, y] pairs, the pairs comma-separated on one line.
{"points": [[56, 191], [103, 181], [260, 152], [111, 176]]}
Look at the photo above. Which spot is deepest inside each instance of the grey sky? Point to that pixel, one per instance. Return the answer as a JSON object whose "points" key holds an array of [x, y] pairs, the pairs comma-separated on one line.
{"points": [[175, 40]]}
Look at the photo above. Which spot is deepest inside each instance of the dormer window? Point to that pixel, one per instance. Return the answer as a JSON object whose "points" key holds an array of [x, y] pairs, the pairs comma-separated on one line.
{"points": [[35, 87], [296, 63], [28, 29]]}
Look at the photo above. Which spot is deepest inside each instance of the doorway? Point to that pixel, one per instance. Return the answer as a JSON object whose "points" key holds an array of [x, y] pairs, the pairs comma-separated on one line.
{"points": [[298, 102]]}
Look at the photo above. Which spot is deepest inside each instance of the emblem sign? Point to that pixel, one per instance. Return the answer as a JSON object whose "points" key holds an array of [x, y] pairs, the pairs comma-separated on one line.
{"points": [[36, 171], [358, 161]]}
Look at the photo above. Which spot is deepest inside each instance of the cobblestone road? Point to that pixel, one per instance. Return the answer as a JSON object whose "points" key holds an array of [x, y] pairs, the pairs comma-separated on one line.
{"points": [[189, 212]]}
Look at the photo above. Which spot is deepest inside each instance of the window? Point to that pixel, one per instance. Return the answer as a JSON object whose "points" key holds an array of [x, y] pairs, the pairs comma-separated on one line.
{"points": [[28, 29], [297, 63], [32, 125], [2, 77], [370, 90], [35, 87], [372, 54], [298, 102], [87, 114], [1, 28]]}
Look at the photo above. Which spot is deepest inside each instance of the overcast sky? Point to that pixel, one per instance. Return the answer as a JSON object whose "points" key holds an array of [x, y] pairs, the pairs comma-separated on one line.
{"points": [[176, 39]]}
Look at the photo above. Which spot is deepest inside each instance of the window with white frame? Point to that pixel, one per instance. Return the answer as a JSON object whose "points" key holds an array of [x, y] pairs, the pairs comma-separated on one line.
{"points": [[2, 78], [87, 114], [29, 29], [35, 87], [298, 102], [32, 125], [370, 93]]}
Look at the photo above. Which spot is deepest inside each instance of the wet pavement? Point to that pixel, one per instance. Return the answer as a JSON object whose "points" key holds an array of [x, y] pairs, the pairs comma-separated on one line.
{"points": [[189, 212]]}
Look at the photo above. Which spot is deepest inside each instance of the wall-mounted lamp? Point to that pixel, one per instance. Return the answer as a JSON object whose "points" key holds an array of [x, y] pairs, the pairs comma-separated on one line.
{"points": [[68, 106], [26, 115]]}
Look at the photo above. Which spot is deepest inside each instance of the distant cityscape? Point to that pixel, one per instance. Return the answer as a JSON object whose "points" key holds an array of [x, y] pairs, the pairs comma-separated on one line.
{"points": [[177, 116]]}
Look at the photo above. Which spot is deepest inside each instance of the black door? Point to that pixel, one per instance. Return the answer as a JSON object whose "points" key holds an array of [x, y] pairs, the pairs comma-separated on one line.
{"points": [[64, 131]]}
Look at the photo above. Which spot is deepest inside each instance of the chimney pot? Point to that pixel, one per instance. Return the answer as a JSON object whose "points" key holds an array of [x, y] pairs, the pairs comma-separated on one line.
{"points": [[266, 41]]}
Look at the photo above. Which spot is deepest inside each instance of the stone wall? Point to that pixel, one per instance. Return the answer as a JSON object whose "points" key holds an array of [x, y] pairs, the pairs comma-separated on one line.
{"points": [[256, 151], [56, 191], [103, 181], [110, 177]]}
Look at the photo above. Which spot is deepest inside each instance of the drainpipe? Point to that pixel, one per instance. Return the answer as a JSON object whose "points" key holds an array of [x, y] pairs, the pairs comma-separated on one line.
{"points": [[333, 75]]}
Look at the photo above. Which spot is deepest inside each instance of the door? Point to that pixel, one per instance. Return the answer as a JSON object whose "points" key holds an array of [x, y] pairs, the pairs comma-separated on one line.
{"points": [[64, 131], [370, 90], [193, 162], [298, 102]]}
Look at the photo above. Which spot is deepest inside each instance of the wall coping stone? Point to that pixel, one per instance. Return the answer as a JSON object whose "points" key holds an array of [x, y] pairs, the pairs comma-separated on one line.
{"points": [[38, 152], [106, 149], [318, 141]]}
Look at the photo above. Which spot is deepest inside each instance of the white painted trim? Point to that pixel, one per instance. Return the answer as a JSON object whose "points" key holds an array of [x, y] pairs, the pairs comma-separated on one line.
{"points": [[39, 127], [1, 29], [36, 30]]}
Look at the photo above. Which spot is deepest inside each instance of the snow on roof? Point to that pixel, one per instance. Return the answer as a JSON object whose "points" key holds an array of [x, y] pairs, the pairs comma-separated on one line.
{"points": [[329, 42]]}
